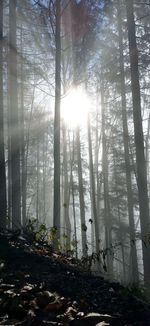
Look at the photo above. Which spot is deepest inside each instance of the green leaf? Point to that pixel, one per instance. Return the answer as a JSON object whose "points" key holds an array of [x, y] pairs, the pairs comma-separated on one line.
{"points": [[53, 230], [42, 227], [65, 236]]}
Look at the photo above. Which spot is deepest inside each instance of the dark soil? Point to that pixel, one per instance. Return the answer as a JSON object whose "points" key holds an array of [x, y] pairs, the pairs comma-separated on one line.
{"points": [[39, 287]]}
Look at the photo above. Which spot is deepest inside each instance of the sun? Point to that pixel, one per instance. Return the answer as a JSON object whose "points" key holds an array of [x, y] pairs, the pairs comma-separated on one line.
{"points": [[75, 108]]}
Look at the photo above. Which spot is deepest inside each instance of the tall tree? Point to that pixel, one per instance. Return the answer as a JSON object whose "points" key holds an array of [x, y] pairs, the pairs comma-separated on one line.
{"points": [[56, 211], [22, 133], [107, 211], [81, 197], [135, 277], [66, 196], [92, 188], [3, 205], [13, 106], [139, 138]]}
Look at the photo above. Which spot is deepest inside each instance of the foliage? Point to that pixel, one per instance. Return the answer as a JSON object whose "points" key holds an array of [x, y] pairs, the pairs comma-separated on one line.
{"points": [[41, 233], [84, 227], [137, 290]]}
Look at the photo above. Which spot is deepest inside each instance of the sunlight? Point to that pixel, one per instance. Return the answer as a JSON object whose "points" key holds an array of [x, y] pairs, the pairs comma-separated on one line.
{"points": [[75, 108]]}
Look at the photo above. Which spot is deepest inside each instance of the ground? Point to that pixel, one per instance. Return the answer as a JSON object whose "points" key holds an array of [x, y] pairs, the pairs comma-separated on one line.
{"points": [[41, 287]]}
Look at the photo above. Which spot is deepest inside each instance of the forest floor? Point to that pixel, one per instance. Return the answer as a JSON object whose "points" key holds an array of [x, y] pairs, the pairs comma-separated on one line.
{"points": [[41, 287]]}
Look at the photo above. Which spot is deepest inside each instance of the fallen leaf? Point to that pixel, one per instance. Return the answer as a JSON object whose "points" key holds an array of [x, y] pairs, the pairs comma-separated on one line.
{"points": [[27, 288], [54, 306], [44, 298], [93, 318]]}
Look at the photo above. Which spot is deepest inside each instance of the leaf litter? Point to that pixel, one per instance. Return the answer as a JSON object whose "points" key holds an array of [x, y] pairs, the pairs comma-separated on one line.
{"points": [[41, 287]]}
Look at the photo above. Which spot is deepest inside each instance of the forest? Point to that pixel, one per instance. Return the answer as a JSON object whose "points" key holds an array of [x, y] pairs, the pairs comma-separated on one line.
{"points": [[75, 137]]}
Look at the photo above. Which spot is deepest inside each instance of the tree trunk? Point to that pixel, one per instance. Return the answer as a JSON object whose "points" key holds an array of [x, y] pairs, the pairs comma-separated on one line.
{"points": [[56, 210], [22, 143], [44, 177], [73, 194], [135, 276], [107, 213], [66, 192], [119, 222], [3, 204], [37, 176], [139, 139], [148, 156], [81, 197], [92, 188], [13, 103]]}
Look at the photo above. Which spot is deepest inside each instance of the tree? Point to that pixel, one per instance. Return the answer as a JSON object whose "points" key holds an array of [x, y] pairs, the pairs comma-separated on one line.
{"points": [[139, 138], [81, 197], [3, 204], [13, 111], [107, 211], [135, 276], [66, 196], [56, 211], [92, 188], [22, 136]]}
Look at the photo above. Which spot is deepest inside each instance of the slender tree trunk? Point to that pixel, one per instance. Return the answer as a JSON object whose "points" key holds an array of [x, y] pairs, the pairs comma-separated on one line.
{"points": [[37, 176], [139, 139], [9, 187], [56, 211], [107, 213], [92, 188], [13, 103], [66, 192], [3, 204], [135, 276], [81, 196], [22, 142], [74, 214], [119, 220], [148, 156], [44, 178], [97, 145], [73, 193]]}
